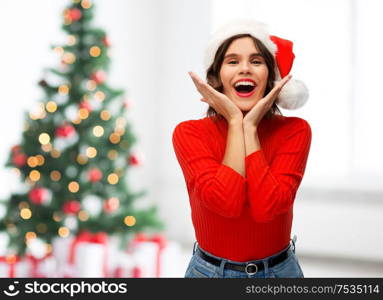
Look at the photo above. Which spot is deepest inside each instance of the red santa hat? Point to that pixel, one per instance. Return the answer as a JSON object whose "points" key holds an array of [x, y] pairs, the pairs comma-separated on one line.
{"points": [[294, 94]]}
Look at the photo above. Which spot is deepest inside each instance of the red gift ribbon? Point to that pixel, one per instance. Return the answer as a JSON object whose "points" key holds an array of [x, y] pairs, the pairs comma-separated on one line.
{"points": [[11, 260], [88, 237], [159, 240], [35, 263]]}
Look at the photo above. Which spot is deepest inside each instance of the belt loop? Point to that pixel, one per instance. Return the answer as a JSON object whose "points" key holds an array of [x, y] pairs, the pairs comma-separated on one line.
{"points": [[221, 268], [194, 247], [294, 240], [266, 266]]}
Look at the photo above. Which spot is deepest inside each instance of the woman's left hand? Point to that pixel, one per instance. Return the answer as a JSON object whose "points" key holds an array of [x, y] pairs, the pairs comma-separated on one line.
{"points": [[255, 115]]}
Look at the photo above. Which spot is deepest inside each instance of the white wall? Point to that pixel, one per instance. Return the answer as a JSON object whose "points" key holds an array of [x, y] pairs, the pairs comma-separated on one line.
{"points": [[27, 29]]}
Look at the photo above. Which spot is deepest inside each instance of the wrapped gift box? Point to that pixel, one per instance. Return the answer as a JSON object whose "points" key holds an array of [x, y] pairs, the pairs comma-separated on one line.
{"points": [[13, 266], [154, 256], [61, 250], [89, 254]]}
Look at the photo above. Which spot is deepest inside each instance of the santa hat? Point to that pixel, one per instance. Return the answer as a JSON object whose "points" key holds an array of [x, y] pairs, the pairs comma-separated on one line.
{"points": [[294, 94]]}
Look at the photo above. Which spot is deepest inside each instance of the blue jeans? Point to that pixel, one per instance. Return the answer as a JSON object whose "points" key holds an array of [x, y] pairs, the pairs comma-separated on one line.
{"points": [[289, 268]]}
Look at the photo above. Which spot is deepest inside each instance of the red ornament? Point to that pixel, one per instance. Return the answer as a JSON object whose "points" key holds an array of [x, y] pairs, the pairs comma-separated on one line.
{"points": [[71, 207], [94, 175], [134, 160], [75, 14], [111, 205], [106, 41], [39, 195], [86, 105], [99, 76], [65, 131], [16, 149], [19, 159]]}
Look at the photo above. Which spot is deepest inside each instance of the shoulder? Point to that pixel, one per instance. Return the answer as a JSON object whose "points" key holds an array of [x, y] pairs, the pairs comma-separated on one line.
{"points": [[191, 127], [197, 124], [292, 124], [297, 131], [288, 129]]}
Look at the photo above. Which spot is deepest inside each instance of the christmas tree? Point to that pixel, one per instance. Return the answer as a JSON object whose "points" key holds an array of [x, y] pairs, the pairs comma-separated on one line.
{"points": [[76, 149]]}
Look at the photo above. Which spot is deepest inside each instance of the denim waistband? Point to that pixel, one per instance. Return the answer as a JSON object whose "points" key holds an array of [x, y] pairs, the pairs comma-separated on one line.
{"points": [[291, 244]]}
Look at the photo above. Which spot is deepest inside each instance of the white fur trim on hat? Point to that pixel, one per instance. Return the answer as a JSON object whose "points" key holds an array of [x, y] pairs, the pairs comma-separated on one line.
{"points": [[234, 27], [293, 95]]}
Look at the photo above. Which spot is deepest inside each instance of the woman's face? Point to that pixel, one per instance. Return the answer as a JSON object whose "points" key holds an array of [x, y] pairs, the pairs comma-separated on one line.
{"points": [[244, 73]]}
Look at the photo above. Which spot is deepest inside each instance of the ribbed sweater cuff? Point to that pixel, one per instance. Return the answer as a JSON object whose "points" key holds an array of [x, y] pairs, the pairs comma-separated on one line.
{"points": [[230, 176], [256, 159]]}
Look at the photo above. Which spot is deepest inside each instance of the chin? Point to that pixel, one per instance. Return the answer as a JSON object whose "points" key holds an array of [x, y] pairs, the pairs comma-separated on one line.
{"points": [[245, 107]]}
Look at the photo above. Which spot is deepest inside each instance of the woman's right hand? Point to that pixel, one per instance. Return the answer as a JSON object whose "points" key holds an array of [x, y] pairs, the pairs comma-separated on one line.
{"points": [[220, 102]]}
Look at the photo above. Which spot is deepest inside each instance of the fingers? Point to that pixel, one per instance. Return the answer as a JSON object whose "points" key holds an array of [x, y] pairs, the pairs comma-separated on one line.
{"points": [[285, 80], [282, 82], [196, 80], [278, 86], [199, 84], [203, 88]]}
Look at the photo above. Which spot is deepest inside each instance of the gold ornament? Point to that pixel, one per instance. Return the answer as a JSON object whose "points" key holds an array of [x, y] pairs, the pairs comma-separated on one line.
{"points": [[112, 154], [95, 51], [114, 138], [98, 131], [44, 138], [34, 175], [63, 89], [91, 152], [51, 106], [83, 113], [83, 215], [82, 159], [73, 187], [25, 213], [113, 178], [130, 220], [100, 96], [55, 175], [32, 161], [63, 231], [105, 115], [86, 4]]}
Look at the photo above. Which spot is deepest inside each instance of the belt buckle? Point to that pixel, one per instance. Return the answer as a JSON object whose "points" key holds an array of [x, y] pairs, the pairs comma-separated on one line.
{"points": [[251, 265]]}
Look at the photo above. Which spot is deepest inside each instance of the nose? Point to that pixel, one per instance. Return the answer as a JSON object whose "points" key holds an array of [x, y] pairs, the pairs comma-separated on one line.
{"points": [[244, 67]]}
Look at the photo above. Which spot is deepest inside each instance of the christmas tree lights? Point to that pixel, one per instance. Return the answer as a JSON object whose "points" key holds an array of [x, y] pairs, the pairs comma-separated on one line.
{"points": [[76, 149]]}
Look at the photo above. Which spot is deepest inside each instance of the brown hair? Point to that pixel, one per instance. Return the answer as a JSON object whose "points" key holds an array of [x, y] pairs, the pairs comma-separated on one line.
{"points": [[213, 78]]}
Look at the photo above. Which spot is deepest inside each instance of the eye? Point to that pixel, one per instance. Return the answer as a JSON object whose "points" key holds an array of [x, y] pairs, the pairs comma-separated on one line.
{"points": [[258, 62]]}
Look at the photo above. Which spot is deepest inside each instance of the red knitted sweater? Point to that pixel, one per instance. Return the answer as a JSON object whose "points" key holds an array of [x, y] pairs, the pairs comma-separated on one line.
{"points": [[235, 217]]}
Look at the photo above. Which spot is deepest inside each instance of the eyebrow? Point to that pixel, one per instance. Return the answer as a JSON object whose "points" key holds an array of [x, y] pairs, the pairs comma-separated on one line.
{"points": [[235, 55]]}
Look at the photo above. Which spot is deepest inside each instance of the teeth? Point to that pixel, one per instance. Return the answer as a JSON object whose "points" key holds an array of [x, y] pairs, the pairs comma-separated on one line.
{"points": [[244, 83]]}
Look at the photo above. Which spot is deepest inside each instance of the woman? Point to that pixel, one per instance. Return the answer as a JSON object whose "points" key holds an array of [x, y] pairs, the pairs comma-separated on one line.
{"points": [[244, 161]]}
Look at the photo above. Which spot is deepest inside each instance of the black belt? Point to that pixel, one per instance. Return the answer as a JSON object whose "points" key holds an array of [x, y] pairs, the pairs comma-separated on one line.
{"points": [[250, 268]]}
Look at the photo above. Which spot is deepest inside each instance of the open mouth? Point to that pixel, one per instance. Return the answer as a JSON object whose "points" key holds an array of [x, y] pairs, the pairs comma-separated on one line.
{"points": [[245, 88]]}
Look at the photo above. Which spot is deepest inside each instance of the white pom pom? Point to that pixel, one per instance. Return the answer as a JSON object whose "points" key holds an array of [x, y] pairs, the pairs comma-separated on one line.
{"points": [[293, 95]]}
